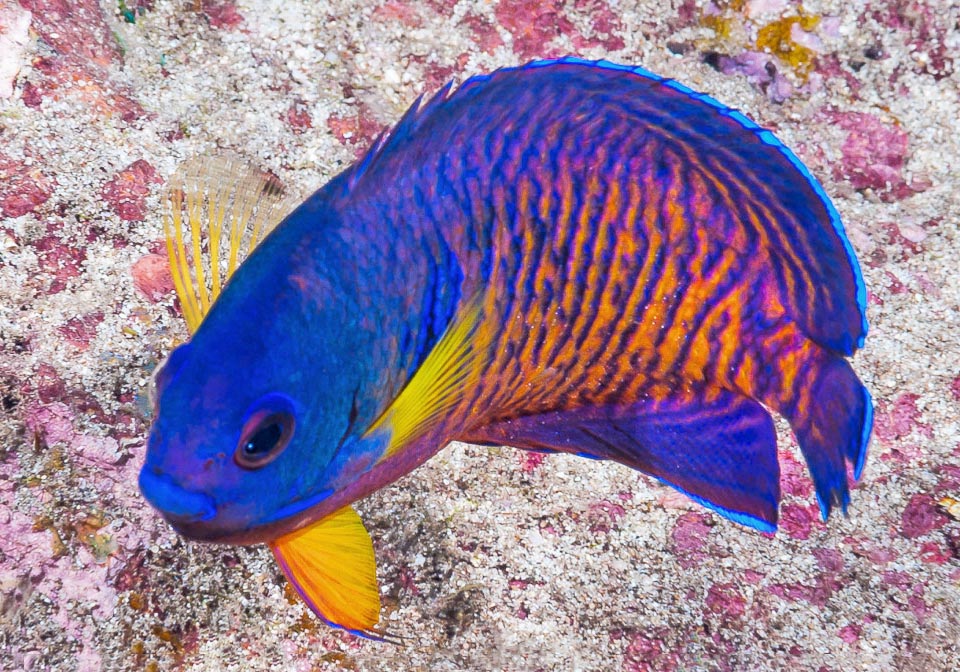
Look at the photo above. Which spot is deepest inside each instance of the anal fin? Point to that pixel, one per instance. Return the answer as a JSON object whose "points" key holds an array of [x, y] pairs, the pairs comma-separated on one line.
{"points": [[716, 446], [332, 566]]}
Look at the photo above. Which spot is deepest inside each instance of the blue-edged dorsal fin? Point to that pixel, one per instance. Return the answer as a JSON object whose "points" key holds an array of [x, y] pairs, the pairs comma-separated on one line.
{"points": [[716, 446], [400, 131], [805, 227], [750, 172]]}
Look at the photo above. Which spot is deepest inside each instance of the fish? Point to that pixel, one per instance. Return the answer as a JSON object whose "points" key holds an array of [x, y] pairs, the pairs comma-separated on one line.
{"points": [[566, 256]]}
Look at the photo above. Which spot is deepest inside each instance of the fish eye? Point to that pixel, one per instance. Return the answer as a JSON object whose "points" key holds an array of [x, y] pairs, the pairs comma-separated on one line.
{"points": [[265, 434]]}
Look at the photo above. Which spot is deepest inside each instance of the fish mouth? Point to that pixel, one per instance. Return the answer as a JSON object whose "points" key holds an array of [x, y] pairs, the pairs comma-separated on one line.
{"points": [[283, 521], [179, 506], [195, 516]]}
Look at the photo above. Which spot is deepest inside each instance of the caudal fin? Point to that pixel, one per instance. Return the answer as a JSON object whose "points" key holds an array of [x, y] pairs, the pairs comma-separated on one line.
{"points": [[832, 424]]}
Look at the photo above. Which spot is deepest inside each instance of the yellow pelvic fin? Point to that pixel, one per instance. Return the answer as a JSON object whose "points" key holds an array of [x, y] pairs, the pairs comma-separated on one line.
{"points": [[331, 564], [216, 209], [450, 371]]}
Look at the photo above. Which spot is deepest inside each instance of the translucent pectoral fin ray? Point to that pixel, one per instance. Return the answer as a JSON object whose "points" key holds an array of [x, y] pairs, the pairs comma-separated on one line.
{"points": [[216, 210]]}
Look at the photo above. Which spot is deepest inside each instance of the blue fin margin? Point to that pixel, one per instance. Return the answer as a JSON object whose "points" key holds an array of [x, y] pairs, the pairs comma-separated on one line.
{"points": [[765, 136]]}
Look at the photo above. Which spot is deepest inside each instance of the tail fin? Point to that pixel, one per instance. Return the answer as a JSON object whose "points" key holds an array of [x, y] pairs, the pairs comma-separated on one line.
{"points": [[832, 424]]}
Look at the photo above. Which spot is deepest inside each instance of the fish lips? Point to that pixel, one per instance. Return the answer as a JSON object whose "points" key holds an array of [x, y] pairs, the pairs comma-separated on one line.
{"points": [[184, 509], [195, 515]]}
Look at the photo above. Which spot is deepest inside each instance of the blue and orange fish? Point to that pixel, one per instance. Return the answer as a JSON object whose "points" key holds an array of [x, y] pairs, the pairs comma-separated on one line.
{"points": [[566, 256]]}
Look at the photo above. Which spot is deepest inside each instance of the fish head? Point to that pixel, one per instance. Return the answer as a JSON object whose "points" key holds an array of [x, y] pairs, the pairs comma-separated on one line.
{"points": [[252, 410]]}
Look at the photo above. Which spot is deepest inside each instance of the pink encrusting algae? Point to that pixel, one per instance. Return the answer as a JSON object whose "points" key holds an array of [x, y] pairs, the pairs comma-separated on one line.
{"points": [[490, 559]]}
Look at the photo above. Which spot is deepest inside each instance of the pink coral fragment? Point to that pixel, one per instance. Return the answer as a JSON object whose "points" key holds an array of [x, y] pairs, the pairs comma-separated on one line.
{"points": [[605, 24], [82, 81], [298, 117], [484, 34], [23, 188], [76, 28], [604, 515], [358, 129], [818, 594], [933, 553], [53, 422], [921, 516], [927, 29], [794, 479], [689, 537], [48, 384], [84, 48], [126, 193], [151, 276], [398, 11], [874, 154], [725, 600], [645, 653], [79, 331], [407, 579], [797, 521], [829, 559], [222, 14], [850, 633], [897, 419], [531, 460], [59, 260], [533, 25]]}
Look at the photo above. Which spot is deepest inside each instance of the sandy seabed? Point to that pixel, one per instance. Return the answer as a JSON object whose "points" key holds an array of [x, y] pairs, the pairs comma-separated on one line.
{"points": [[488, 559]]}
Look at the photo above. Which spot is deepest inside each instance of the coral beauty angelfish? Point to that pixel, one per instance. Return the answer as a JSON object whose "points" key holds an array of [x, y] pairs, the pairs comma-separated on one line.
{"points": [[565, 256]]}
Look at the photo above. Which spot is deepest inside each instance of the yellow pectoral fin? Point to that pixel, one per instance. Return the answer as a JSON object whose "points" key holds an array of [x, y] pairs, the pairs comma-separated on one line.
{"points": [[450, 371], [216, 209], [331, 564]]}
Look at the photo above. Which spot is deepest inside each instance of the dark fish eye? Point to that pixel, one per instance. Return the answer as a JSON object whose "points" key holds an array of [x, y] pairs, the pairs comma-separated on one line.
{"points": [[265, 434]]}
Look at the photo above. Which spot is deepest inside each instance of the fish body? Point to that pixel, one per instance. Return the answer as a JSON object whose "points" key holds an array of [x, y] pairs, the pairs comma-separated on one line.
{"points": [[567, 256]]}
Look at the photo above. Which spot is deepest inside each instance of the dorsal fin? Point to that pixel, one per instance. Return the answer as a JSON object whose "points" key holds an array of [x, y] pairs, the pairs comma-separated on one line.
{"points": [[216, 210], [755, 176], [400, 131]]}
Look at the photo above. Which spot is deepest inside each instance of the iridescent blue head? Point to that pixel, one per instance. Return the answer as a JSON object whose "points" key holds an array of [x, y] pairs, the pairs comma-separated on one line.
{"points": [[252, 412]]}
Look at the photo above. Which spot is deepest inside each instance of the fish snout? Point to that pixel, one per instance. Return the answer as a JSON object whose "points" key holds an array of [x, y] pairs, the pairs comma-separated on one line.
{"points": [[178, 505]]}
